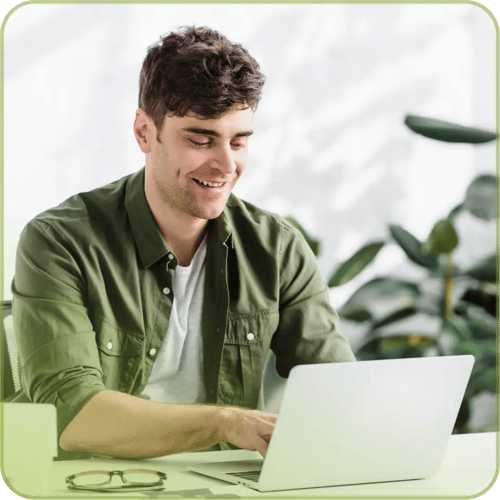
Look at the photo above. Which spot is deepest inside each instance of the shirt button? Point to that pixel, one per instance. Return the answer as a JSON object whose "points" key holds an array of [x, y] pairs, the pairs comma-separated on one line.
{"points": [[109, 345], [152, 352], [250, 336], [166, 291]]}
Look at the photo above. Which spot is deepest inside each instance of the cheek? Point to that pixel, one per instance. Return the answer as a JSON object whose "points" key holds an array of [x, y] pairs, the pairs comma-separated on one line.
{"points": [[189, 161]]}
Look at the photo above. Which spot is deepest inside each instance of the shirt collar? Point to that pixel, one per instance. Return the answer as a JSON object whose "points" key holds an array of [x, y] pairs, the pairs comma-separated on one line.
{"points": [[147, 235], [221, 227]]}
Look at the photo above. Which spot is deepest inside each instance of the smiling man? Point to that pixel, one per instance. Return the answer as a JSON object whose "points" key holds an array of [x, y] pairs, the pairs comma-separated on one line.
{"points": [[145, 309], [192, 165]]}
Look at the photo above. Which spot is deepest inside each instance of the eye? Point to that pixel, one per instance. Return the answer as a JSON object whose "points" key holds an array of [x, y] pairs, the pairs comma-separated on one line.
{"points": [[197, 143], [238, 145]]}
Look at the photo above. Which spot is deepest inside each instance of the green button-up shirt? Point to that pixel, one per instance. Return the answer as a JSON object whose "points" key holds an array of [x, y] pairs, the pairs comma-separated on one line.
{"points": [[92, 300]]}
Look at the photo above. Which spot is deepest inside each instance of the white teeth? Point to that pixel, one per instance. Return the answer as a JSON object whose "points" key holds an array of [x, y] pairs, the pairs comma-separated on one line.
{"points": [[211, 184]]}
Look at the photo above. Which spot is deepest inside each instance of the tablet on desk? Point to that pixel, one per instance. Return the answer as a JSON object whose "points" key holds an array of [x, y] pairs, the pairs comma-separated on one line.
{"points": [[29, 445]]}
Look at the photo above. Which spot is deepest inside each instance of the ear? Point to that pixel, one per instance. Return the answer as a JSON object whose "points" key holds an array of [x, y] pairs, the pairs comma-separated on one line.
{"points": [[144, 130]]}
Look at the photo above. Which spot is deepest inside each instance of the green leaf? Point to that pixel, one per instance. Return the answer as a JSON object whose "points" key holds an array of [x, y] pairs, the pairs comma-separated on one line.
{"points": [[352, 267], [473, 299], [455, 211], [296, 225], [483, 350], [484, 380], [380, 299], [483, 377], [480, 198], [467, 341], [368, 351], [468, 347], [459, 328], [414, 340], [359, 315], [395, 316], [447, 131], [442, 239], [413, 247], [420, 323], [481, 324], [315, 245], [485, 270]]}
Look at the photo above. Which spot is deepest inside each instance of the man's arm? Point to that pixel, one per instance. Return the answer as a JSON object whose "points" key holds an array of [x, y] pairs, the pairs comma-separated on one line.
{"points": [[308, 331], [117, 424]]}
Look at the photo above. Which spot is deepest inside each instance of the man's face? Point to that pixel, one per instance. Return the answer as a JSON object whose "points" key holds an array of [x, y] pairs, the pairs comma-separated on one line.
{"points": [[198, 161]]}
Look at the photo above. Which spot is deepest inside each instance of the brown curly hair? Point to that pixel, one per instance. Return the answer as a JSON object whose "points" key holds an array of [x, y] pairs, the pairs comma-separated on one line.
{"points": [[199, 70]]}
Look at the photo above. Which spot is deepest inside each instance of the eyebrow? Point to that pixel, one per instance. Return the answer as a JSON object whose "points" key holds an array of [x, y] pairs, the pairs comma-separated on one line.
{"points": [[213, 133]]}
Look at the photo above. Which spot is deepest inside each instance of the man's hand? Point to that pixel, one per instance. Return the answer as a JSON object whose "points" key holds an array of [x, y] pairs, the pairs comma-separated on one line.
{"points": [[248, 429]]}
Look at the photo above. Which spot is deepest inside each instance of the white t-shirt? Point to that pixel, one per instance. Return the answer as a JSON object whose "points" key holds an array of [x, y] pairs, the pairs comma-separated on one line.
{"points": [[177, 374]]}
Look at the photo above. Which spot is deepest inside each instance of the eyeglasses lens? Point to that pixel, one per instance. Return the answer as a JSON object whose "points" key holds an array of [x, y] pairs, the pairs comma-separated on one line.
{"points": [[92, 479], [140, 477]]}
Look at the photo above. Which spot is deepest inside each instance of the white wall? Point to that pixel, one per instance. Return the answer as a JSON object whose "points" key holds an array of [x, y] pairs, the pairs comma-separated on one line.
{"points": [[330, 146]]}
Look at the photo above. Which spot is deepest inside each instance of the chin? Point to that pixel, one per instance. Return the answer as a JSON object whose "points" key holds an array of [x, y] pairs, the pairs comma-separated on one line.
{"points": [[213, 215], [207, 214], [208, 211]]}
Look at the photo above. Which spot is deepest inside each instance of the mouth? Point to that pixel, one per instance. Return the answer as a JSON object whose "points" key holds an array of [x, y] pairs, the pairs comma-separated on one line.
{"points": [[209, 184]]}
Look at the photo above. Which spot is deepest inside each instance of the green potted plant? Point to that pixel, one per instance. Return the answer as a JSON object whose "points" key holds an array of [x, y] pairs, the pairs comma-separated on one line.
{"points": [[403, 318]]}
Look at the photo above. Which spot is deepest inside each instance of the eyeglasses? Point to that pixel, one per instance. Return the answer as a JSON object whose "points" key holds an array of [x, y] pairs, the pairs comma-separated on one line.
{"points": [[100, 480]]}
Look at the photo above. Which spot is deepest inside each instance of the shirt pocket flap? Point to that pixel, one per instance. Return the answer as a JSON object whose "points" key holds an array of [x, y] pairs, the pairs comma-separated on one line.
{"points": [[117, 342], [247, 329]]}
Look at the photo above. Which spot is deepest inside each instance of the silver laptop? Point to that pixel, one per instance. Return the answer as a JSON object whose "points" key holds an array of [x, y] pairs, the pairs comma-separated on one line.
{"points": [[357, 422]]}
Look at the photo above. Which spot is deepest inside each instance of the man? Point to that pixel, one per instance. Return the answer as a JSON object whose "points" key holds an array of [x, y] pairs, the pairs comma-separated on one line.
{"points": [[145, 309]]}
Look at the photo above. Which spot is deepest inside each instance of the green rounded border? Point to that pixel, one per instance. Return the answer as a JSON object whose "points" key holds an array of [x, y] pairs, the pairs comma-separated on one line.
{"points": [[372, 2]]}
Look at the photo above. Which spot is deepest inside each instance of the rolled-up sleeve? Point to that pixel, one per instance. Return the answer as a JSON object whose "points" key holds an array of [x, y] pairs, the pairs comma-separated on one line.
{"points": [[308, 330], [56, 340]]}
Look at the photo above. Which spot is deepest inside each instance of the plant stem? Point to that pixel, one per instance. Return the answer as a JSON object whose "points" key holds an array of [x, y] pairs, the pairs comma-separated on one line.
{"points": [[448, 286]]}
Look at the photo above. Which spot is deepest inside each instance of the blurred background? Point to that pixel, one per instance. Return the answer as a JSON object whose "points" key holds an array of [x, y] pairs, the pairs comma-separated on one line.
{"points": [[331, 150]]}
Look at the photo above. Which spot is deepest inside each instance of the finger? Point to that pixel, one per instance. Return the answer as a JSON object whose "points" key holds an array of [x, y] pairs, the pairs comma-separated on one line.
{"points": [[267, 434], [262, 447]]}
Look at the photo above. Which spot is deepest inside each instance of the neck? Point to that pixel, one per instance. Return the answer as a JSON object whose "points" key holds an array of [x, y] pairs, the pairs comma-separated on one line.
{"points": [[181, 232], [183, 240]]}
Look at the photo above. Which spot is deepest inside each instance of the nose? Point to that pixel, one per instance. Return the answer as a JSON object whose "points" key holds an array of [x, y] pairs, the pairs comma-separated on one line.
{"points": [[224, 159]]}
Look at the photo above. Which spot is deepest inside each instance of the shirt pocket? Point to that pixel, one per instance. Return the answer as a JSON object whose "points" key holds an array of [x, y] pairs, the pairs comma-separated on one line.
{"points": [[244, 353], [120, 355]]}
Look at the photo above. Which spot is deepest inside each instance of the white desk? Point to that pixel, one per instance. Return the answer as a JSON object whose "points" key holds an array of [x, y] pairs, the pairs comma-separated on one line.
{"points": [[469, 467]]}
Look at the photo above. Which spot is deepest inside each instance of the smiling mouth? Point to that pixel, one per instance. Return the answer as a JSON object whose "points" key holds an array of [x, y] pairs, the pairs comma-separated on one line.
{"points": [[208, 183]]}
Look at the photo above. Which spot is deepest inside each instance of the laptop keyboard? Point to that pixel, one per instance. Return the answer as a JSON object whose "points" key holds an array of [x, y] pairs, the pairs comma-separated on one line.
{"points": [[251, 475]]}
